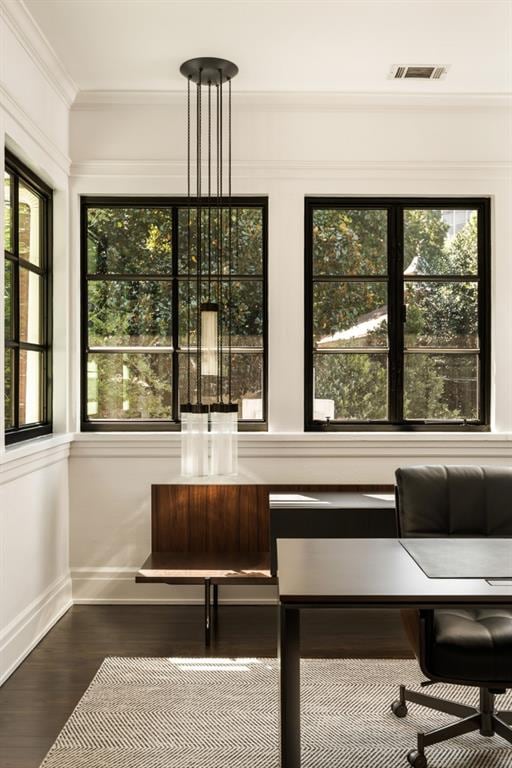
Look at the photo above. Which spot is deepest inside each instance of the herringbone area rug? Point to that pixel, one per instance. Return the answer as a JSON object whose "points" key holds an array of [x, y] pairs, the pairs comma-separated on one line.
{"points": [[223, 713]]}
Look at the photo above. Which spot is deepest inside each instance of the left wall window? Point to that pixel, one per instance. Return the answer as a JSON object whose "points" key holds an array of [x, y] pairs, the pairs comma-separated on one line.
{"points": [[27, 303]]}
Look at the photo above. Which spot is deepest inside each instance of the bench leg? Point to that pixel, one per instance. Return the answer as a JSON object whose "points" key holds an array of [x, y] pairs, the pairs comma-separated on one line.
{"points": [[215, 598], [207, 612]]}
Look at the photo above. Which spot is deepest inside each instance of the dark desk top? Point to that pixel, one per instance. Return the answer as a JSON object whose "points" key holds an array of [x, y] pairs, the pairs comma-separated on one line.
{"points": [[370, 572], [330, 500]]}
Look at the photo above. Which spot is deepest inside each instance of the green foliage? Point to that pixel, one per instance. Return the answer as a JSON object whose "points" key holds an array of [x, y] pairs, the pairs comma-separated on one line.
{"points": [[349, 242], [439, 315], [131, 241], [356, 382]]}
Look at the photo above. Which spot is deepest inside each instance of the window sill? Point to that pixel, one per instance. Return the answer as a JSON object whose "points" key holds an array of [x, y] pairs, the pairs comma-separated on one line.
{"points": [[301, 445], [21, 458]]}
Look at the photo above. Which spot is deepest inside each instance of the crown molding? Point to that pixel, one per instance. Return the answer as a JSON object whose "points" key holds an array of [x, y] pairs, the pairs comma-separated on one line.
{"points": [[38, 136], [273, 101], [299, 169], [22, 24]]}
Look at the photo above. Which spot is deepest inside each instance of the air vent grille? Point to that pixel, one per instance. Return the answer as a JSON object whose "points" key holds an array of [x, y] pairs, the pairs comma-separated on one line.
{"points": [[417, 72]]}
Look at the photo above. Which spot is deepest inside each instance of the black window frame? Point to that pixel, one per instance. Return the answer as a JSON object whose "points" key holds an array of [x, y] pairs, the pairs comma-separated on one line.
{"points": [[20, 172], [396, 316], [175, 204]]}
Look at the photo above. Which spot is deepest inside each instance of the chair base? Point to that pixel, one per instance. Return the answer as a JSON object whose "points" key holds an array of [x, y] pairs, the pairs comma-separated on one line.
{"points": [[484, 719]]}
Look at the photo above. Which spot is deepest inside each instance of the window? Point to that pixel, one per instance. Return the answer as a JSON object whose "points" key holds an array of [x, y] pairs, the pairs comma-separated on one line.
{"points": [[137, 296], [27, 303], [397, 314]]}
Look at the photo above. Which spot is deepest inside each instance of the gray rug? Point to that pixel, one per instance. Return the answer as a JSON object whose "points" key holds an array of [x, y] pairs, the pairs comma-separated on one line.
{"points": [[223, 713]]}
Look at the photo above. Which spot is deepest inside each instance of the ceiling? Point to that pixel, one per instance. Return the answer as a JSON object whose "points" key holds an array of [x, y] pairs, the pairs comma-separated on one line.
{"points": [[283, 45]]}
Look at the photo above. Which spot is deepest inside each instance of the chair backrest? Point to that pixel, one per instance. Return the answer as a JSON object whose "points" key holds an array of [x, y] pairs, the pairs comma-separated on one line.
{"points": [[454, 501]]}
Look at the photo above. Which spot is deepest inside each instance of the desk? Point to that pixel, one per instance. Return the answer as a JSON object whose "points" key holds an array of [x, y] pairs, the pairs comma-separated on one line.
{"points": [[352, 573], [330, 515]]}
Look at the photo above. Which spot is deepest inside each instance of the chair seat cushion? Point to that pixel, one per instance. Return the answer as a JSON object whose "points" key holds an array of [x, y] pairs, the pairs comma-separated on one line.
{"points": [[472, 645]]}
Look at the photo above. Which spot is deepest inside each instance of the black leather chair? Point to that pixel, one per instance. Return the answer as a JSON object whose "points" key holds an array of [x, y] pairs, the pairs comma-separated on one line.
{"points": [[466, 646]]}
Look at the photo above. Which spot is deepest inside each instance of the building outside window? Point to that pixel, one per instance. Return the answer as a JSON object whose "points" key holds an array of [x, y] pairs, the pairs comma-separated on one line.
{"points": [[139, 297], [397, 314], [27, 302]]}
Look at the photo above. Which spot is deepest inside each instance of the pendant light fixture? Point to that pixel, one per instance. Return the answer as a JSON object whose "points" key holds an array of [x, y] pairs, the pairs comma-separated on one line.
{"points": [[209, 304]]}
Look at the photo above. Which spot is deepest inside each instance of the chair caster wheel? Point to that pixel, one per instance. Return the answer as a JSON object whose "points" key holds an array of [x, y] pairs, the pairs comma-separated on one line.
{"points": [[417, 759], [399, 709]]}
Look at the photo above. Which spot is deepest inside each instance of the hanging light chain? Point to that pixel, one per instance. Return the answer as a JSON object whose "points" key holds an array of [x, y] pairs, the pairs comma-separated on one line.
{"points": [[189, 353], [221, 244], [209, 190], [230, 252], [199, 237]]}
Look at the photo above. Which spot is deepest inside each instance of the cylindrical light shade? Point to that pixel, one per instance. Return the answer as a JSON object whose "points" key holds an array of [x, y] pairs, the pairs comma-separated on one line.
{"points": [[224, 440], [209, 339], [194, 443]]}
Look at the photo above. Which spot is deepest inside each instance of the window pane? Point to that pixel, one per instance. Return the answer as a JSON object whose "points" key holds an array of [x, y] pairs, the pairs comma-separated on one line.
{"points": [[129, 386], [31, 371], [129, 313], [8, 300], [8, 220], [246, 316], [441, 315], [440, 242], [246, 240], [246, 383], [350, 242], [30, 300], [30, 206], [350, 315], [441, 386], [9, 388], [351, 386], [129, 240]]}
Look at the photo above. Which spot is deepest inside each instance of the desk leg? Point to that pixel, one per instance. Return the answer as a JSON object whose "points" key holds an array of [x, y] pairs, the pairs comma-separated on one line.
{"points": [[207, 611], [289, 659]]}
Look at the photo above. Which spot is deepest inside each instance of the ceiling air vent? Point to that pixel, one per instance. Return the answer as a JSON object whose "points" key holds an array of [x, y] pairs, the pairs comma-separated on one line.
{"points": [[415, 72]]}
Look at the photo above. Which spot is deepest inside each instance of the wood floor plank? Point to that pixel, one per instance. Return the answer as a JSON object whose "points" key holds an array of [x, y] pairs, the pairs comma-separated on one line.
{"points": [[39, 697]]}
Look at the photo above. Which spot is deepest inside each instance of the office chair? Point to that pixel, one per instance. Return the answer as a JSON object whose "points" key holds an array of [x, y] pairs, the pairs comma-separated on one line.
{"points": [[466, 646]]}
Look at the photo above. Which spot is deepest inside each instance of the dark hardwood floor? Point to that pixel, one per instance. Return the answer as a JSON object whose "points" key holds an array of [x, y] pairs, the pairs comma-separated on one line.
{"points": [[39, 697]]}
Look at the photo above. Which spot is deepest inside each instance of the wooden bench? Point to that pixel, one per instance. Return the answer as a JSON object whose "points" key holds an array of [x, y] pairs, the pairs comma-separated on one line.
{"points": [[209, 535], [221, 534]]}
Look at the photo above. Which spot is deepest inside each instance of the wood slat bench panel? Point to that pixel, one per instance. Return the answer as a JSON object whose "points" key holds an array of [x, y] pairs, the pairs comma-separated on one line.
{"points": [[210, 518]]}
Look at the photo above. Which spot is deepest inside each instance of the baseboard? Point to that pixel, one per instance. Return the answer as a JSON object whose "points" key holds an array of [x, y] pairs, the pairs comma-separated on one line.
{"points": [[112, 586], [22, 635]]}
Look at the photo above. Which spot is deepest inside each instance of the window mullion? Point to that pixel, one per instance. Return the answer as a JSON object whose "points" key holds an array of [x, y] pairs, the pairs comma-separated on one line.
{"points": [[400, 312], [16, 302], [395, 319], [175, 331]]}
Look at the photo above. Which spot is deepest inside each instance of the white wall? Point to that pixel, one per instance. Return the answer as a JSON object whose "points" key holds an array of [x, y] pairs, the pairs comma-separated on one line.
{"points": [[285, 147], [35, 586]]}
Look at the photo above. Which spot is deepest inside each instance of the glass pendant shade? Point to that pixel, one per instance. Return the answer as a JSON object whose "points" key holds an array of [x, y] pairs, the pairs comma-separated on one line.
{"points": [[209, 339], [194, 442], [224, 440]]}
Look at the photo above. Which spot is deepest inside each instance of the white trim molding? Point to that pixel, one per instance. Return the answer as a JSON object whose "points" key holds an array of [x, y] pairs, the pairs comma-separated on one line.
{"points": [[28, 628], [285, 101], [273, 445], [22, 459], [29, 33], [165, 168]]}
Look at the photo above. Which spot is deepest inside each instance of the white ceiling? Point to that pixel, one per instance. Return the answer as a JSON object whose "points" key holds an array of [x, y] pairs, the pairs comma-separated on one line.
{"points": [[283, 45]]}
